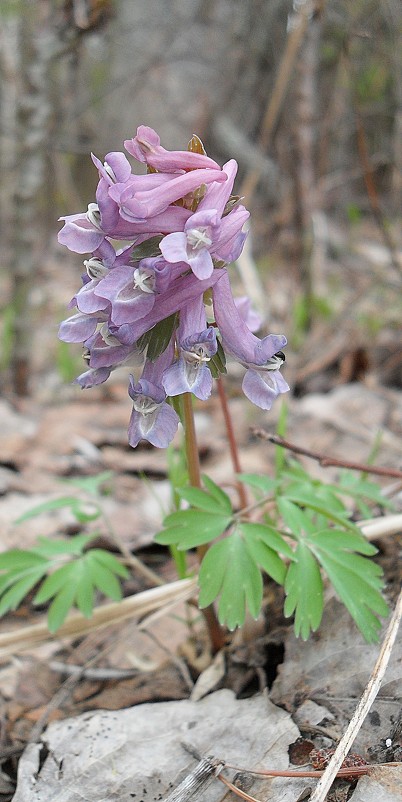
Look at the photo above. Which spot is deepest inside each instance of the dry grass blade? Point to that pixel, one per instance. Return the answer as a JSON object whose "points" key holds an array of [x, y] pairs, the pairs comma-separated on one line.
{"points": [[378, 527], [76, 625], [367, 699]]}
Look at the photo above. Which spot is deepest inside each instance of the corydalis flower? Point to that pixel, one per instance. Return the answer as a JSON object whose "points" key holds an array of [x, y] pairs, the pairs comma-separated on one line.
{"points": [[143, 306]]}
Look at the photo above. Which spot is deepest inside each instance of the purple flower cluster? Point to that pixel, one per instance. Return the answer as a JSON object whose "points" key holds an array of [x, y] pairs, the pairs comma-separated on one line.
{"points": [[145, 304]]}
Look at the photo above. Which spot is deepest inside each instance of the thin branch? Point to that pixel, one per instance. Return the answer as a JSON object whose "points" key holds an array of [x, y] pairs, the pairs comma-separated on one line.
{"points": [[325, 461]]}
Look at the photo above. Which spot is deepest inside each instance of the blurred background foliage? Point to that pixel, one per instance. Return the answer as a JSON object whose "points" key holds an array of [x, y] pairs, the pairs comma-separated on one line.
{"points": [[307, 96]]}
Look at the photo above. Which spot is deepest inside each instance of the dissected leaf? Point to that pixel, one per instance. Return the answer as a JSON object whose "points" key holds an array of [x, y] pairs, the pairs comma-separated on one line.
{"points": [[18, 559], [60, 606], [310, 499], [266, 484], [263, 544], [102, 577], [229, 570], [109, 561], [191, 528], [47, 506], [199, 498], [90, 484], [218, 494], [356, 579], [73, 545], [294, 518], [304, 592]]}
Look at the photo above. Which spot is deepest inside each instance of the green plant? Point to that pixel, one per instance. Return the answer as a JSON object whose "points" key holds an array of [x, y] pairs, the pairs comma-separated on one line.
{"points": [[70, 573], [66, 571], [302, 532]]}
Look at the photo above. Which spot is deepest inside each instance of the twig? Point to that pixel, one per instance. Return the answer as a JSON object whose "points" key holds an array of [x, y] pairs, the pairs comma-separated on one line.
{"points": [[367, 699], [325, 461], [101, 674]]}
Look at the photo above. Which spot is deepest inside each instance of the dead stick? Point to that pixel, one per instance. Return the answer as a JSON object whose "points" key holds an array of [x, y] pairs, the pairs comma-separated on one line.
{"points": [[322, 459], [367, 699]]}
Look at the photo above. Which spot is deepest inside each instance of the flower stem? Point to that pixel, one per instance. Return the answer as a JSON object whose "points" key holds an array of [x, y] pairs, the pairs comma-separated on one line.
{"points": [[232, 440], [215, 630], [190, 438]]}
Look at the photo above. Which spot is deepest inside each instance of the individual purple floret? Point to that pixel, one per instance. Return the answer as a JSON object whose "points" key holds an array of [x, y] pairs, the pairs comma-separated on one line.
{"points": [[176, 227], [152, 418], [263, 381], [196, 344], [146, 147]]}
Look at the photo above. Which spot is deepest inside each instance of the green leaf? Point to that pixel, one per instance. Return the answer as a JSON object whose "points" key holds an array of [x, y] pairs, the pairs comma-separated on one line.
{"points": [[294, 518], [47, 506], [191, 528], [18, 559], [337, 540], [60, 606], [304, 592], [110, 562], [312, 501], [103, 579], [218, 494], [229, 569], [352, 485], [84, 595], [158, 338], [54, 582], [212, 572], [258, 482], [201, 499], [356, 579], [22, 584], [80, 509], [73, 545], [267, 559], [316, 492], [269, 536], [90, 484]]}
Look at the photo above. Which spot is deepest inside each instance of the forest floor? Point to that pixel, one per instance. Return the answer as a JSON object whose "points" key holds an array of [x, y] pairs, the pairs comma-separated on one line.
{"points": [[267, 690]]}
